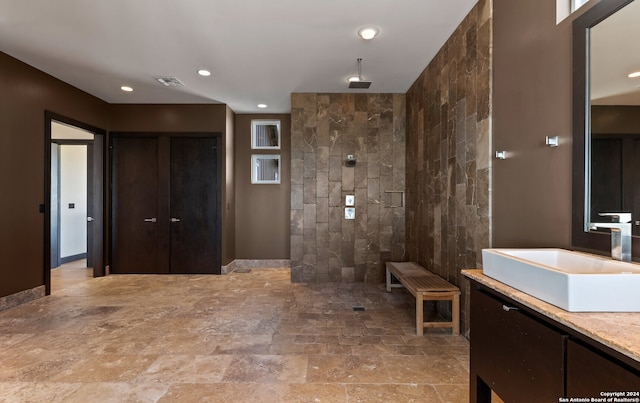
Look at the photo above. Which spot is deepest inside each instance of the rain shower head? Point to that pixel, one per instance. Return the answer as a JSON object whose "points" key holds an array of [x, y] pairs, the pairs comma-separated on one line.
{"points": [[359, 84]]}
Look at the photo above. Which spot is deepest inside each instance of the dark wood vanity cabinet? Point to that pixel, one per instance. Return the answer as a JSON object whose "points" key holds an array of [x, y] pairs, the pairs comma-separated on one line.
{"points": [[590, 372], [524, 356], [513, 354]]}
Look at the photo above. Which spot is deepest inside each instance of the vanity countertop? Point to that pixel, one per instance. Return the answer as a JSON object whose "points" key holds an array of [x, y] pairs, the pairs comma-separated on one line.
{"points": [[619, 331]]}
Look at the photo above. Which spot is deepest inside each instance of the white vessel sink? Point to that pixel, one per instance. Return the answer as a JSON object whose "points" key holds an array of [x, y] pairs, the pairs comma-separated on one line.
{"points": [[573, 281]]}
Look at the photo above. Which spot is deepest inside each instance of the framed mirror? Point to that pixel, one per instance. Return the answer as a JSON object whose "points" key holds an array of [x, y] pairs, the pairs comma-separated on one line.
{"points": [[265, 134], [265, 169], [606, 120]]}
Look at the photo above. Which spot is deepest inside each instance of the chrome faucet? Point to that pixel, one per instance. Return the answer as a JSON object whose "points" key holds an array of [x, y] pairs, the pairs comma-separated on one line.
{"points": [[620, 234]]}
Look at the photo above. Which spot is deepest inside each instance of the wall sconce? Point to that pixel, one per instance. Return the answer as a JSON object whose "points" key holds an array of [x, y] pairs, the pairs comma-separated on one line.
{"points": [[501, 155], [552, 141], [351, 161]]}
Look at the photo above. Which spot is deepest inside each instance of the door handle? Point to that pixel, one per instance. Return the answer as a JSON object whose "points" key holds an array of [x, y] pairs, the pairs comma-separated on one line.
{"points": [[509, 308], [175, 220], [89, 219], [150, 219]]}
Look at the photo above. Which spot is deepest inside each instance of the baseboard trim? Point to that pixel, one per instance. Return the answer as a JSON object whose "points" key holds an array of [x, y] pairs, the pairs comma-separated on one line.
{"points": [[256, 264], [228, 268], [22, 297], [72, 258]]}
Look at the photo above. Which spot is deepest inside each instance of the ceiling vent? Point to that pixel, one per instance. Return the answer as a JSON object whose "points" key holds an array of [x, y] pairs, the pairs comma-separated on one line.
{"points": [[170, 81]]}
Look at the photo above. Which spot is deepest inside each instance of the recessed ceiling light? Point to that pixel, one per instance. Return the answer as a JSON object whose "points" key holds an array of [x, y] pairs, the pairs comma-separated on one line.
{"points": [[126, 88], [368, 33], [634, 74], [204, 73], [262, 106]]}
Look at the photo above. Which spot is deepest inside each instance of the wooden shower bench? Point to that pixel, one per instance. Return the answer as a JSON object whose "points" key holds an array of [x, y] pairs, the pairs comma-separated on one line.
{"points": [[425, 286]]}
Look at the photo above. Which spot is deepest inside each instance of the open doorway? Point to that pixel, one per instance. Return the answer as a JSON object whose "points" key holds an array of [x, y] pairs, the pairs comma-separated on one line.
{"points": [[74, 214]]}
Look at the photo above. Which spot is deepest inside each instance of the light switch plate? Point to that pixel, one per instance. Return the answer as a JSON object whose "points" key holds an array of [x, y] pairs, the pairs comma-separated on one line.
{"points": [[349, 213], [350, 200]]}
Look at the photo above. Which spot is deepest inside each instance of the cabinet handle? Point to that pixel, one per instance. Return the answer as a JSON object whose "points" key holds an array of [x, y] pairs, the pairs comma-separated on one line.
{"points": [[175, 220], [509, 308], [150, 219]]}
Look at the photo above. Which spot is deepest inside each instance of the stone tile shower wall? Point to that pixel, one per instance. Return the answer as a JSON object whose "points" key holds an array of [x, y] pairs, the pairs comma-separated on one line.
{"points": [[325, 128], [448, 155]]}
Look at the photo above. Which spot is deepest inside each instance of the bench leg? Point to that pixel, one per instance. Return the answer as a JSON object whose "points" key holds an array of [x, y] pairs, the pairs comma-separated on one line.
{"points": [[388, 281], [455, 314], [419, 313]]}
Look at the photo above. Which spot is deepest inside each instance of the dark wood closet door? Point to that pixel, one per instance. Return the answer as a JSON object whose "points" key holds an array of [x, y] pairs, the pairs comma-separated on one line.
{"points": [[136, 225], [95, 241], [194, 209], [90, 207], [606, 176]]}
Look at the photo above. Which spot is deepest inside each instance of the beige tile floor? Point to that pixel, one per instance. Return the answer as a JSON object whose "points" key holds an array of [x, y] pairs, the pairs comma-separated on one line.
{"points": [[70, 274], [237, 338]]}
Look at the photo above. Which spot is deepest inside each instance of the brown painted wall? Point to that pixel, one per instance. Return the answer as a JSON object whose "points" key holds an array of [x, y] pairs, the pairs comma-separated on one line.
{"points": [[448, 165], [168, 118], [532, 99], [187, 118], [26, 94], [262, 211], [229, 195], [325, 128]]}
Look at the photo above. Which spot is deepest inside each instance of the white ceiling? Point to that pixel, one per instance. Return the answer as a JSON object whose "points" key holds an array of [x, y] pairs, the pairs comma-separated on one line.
{"points": [[258, 51], [63, 131]]}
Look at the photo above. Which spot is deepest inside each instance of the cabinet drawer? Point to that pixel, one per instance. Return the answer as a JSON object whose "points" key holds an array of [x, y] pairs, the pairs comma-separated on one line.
{"points": [[516, 355], [590, 372]]}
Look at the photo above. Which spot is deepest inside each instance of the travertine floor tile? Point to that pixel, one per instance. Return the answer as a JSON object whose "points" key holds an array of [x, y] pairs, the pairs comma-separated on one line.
{"points": [[118, 393], [105, 368], [455, 393], [392, 393], [36, 392], [302, 393], [35, 366], [267, 369], [9, 340], [181, 343], [347, 369], [213, 393], [432, 369], [242, 344], [252, 337], [186, 369]]}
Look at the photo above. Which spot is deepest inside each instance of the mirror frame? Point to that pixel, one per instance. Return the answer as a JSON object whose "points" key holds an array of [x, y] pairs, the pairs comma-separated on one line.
{"points": [[582, 238]]}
